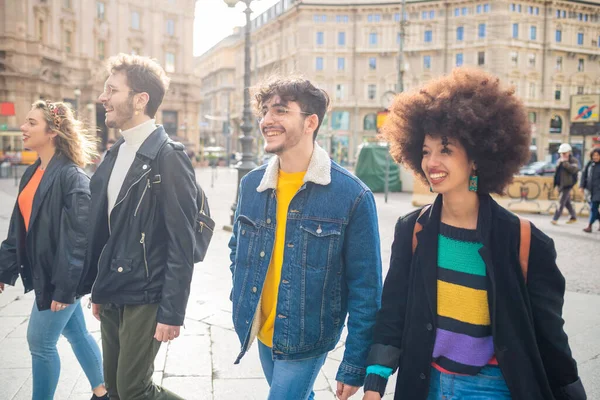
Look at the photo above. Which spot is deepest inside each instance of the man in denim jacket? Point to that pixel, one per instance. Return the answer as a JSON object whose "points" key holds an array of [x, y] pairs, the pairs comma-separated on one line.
{"points": [[304, 251]]}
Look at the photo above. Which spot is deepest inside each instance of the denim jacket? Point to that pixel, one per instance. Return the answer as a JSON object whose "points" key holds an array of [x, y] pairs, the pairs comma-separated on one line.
{"points": [[331, 264]]}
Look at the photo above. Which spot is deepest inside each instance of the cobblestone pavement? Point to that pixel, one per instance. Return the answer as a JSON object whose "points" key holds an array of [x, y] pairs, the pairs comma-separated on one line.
{"points": [[199, 364]]}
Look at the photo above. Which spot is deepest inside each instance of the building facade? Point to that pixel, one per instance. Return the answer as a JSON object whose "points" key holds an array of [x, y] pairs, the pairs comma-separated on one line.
{"points": [[57, 49], [549, 50]]}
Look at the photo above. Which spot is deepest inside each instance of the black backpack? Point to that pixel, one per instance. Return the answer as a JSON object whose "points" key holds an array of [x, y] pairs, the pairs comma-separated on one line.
{"points": [[204, 225]]}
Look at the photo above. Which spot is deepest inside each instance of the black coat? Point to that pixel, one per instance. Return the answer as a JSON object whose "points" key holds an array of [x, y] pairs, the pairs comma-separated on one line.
{"points": [[590, 180], [527, 326], [144, 254], [50, 255]]}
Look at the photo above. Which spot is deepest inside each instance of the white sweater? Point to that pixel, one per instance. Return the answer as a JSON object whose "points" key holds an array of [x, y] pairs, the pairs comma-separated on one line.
{"points": [[134, 138]]}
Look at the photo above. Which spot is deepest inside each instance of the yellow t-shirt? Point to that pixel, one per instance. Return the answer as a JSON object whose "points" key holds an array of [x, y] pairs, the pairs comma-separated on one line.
{"points": [[287, 186]]}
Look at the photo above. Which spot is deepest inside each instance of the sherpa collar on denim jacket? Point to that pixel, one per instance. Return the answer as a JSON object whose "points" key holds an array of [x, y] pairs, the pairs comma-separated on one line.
{"points": [[319, 170]]}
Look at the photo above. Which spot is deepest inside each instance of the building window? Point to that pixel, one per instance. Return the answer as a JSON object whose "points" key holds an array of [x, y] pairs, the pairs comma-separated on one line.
{"points": [[579, 89], [372, 63], [532, 117], [580, 38], [319, 64], [464, 11], [341, 38], [557, 13], [101, 49], [372, 92], [135, 51], [170, 27], [556, 121], [398, 37], [320, 18], [373, 39], [431, 14], [557, 92], [518, 8], [481, 58], [533, 33], [341, 63], [370, 122], [558, 63], [424, 15], [339, 95], [67, 4], [320, 38], [428, 36], [397, 17], [341, 19], [530, 10], [580, 65], [374, 17], [456, 12], [170, 62], [427, 62], [41, 31], [135, 20], [532, 60], [100, 10], [460, 32], [459, 59], [558, 36], [479, 9], [486, 8], [481, 31], [68, 41], [514, 58], [532, 91], [515, 33]]}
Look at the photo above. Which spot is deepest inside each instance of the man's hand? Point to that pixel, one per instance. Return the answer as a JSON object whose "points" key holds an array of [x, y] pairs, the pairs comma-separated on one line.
{"points": [[371, 395], [345, 391], [96, 311], [1, 287], [56, 306], [164, 333]]}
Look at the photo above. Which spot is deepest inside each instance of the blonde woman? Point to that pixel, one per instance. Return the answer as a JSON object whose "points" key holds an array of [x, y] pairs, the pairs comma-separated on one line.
{"points": [[46, 244]]}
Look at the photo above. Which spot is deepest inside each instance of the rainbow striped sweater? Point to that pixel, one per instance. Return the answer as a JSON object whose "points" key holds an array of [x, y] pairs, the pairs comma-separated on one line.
{"points": [[464, 343]]}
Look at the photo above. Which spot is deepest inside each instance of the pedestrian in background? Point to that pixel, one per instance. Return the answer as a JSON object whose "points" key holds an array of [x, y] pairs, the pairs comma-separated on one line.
{"points": [[304, 251], [46, 244], [141, 247], [590, 183], [565, 178], [458, 317]]}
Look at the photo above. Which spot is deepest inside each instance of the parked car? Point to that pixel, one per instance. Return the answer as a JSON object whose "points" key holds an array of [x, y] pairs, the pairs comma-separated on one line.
{"points": [[539, 168]]}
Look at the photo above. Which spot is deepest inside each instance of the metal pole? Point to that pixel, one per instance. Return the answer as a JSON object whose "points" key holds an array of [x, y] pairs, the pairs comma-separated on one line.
{"points": [[247, 163], [400, 85]]}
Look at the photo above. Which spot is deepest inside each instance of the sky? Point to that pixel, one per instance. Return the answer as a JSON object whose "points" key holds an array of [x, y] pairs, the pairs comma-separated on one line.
{"points": [[215, 21]]}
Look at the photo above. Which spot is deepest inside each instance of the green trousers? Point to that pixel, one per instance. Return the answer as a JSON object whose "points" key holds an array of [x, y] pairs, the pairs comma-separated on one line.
{"points": [[129, 350]]}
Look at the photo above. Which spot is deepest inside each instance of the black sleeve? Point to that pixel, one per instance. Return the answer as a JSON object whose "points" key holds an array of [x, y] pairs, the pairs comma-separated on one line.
{"points": [[179, 207], [9, 266], [72, 243], [546, 287]]}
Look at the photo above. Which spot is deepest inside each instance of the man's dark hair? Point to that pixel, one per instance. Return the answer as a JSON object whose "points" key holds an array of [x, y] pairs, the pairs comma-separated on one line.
{"points": [[143, 75], [596, 150], [470, 105], [311, 99]]}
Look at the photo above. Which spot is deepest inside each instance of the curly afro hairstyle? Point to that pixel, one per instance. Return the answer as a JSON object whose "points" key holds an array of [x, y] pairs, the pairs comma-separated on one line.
{"points": [[471, 106]]}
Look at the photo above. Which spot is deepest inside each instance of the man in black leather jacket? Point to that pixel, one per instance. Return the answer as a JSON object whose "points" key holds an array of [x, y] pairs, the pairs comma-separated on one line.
{"points": [[141, 240]]}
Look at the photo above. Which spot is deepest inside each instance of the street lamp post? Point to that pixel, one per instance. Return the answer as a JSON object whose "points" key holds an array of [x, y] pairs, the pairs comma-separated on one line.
{"points": [[77, 93], [247, 163]]}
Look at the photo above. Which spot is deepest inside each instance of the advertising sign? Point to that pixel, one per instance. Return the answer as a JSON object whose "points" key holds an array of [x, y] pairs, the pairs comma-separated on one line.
{"points": [[585, 108]]}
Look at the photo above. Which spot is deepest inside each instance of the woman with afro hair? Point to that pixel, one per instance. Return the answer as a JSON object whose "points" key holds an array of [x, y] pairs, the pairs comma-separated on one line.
{"points": [[461, 318]]}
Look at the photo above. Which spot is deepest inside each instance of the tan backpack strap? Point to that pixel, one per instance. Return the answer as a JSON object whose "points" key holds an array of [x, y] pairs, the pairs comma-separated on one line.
{"points": [[524, 246], [418, 228]]}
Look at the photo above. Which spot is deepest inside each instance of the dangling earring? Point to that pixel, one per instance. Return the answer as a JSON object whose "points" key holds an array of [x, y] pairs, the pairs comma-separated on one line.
{"points": [[430, 189], [137, 112], [473, 182]]}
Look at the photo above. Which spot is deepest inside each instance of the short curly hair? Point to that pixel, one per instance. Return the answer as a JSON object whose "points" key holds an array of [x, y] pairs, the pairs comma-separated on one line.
{"points": [[471, 106]]}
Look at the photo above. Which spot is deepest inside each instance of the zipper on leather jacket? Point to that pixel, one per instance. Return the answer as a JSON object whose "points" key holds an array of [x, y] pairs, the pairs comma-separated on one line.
{"points": [[143, 242], [127, 192], [142, 198], [99, 259]]}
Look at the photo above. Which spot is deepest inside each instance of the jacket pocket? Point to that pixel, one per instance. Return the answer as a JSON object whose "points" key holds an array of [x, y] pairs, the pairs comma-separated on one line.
{"points": [[320, 243], [121, 265], [247, 240]]}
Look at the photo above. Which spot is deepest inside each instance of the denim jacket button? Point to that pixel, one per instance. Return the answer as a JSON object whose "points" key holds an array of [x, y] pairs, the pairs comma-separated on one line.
{"points": [[262, 254], [429, 327], [281, 316], [422, 376], [254, 289], [243, 231], [285, 281], [268, 220]]}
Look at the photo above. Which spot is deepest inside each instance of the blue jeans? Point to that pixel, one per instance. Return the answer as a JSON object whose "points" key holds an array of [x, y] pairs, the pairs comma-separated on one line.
{"points": [[594, 215], [290, 380], [489, 384], [45, 327]]}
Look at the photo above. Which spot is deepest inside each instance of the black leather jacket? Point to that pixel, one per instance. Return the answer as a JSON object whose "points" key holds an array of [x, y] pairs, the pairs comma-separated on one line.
{"points": [[50, 255], [144, 254]]}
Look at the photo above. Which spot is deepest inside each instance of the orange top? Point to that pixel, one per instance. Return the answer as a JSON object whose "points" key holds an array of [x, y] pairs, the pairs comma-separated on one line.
{"points": [[26, 196]]}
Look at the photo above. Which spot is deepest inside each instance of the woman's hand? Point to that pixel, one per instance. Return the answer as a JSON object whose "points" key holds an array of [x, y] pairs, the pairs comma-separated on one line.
{"points": [[56, 306], [371, 395]]}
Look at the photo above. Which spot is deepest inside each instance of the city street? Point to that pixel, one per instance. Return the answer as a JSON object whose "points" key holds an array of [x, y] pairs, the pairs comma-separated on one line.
{"points": [[199, 364]]}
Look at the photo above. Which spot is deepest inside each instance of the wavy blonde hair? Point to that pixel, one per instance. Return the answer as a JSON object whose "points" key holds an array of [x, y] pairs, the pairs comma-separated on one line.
{"points": [[73, 139]]}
